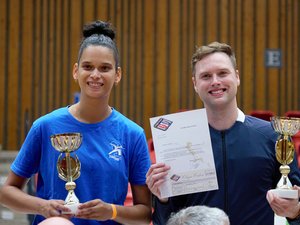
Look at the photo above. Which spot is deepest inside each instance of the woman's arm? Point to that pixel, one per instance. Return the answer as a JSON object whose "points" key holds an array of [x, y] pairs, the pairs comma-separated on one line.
{"points": [[13, 197], [139, 213]]}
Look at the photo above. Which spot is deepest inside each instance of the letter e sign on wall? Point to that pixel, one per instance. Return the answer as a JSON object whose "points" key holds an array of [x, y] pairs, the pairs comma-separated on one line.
{"points": [[273, 58]]}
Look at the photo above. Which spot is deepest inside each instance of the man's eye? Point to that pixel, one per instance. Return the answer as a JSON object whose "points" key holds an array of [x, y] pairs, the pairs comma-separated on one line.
{"points": [[205, 76], [223, 73]]}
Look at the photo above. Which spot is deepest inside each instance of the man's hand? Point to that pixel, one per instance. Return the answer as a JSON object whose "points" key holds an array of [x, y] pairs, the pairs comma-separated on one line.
{"points": [[155, 177], [289, 208]]}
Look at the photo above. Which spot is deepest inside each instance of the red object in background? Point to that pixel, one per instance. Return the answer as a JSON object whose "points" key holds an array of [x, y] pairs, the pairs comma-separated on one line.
{"points": [[151, 150], [296, 140], [292, 114], [298, 155], [262, 114], [129, 199]]}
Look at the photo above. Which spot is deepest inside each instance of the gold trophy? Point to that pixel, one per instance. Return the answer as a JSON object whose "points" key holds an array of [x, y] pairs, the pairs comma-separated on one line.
{"points": [[68, 166], [285, 127]]}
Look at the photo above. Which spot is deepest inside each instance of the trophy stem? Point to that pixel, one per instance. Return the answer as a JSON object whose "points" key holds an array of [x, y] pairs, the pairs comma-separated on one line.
{"points": [[71, 198], [284, 181], [69, 167], [284, 147]]}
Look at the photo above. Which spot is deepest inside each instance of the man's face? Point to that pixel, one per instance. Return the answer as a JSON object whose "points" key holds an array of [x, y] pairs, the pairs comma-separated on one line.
{"points": [[216, 81]]}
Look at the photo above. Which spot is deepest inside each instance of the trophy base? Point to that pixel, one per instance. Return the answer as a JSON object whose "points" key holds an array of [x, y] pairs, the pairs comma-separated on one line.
{"points": [[286, 193], [73, 209]]}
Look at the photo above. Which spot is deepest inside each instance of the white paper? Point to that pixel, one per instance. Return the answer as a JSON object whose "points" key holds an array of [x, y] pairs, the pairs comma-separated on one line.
{"points": [[278, 220], [182, 141]]}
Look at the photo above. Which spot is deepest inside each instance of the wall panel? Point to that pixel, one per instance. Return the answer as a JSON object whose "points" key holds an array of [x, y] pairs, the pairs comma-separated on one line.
{"points": [[25, 92], [184, 58], [192, 11], [200, 39], [247, 72], [259, 29], [12, 81], [223, 20], [148, 69], [283, 76], [3, 75], [173, 68], [39, 43], [160, 42]]}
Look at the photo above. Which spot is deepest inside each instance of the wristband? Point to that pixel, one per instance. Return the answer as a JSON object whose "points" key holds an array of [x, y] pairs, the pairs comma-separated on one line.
{"points": [[114, 212]]}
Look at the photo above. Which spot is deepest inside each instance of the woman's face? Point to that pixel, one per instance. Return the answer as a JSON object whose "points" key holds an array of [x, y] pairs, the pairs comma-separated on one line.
{"points": [[96, 72]]}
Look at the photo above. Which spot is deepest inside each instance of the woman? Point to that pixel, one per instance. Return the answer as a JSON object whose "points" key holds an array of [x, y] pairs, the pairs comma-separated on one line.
{"points": [[113, 150]]}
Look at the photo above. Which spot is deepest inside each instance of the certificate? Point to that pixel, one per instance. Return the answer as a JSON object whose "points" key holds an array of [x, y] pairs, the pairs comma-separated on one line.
{"points": [[182, 141]]}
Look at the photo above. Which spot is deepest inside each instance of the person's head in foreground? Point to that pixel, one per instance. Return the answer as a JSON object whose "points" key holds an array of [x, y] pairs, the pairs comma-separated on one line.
{"points": [[56, 221], [199, 215]]}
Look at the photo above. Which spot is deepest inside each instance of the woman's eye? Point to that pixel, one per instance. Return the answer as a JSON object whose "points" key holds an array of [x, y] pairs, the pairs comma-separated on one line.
{"points": [[87, 67], [105, 68]]}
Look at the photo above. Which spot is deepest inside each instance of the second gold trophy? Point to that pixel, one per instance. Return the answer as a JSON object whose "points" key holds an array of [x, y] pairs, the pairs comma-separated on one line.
{"points": [[286, 127]]}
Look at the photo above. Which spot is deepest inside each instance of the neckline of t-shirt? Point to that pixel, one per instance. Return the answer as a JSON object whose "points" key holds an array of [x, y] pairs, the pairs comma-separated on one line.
{"points": [[103, 122]]}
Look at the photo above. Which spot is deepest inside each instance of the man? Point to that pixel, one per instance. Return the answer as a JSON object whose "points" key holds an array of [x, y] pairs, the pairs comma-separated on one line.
{"points": [[56, 221], [243, 148], [199, 215]]}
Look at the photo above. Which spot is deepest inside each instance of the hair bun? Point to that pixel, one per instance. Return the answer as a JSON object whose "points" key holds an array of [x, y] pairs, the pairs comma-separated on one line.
{"points": [[98, 27]]}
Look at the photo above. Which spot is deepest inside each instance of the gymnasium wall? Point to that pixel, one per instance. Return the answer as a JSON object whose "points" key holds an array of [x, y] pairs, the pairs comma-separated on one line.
{"points": [[39, 41]]}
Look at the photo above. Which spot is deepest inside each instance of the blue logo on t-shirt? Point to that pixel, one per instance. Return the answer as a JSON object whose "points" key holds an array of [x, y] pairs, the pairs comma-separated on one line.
{"points": [[116, 152]]}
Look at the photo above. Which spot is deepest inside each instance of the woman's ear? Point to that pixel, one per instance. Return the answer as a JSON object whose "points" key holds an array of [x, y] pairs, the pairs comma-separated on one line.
{"points": [[118, 75]]}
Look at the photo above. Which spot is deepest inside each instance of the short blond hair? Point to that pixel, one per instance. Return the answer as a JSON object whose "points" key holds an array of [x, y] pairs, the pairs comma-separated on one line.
{"points": [[213, 47]]}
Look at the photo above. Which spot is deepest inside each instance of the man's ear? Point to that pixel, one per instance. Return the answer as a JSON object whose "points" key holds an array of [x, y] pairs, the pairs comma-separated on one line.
{"points": [[75, 71], [237, 77], [194, 83]]}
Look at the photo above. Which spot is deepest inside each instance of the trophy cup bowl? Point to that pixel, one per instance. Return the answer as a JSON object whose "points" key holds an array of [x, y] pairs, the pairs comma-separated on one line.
{"points": [[68, 165], [286, 127]]}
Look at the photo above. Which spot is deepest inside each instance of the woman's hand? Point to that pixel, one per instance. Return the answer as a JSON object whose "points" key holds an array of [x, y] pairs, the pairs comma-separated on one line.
{"points": [[95, 209], [52, 208]]}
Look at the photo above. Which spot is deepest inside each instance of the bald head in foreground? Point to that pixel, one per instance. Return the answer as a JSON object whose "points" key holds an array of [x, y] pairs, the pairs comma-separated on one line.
{"points": [[56, 221]]}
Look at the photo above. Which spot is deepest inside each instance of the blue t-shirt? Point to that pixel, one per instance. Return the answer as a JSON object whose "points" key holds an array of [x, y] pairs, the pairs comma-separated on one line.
{"points": [[113, 152]]}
